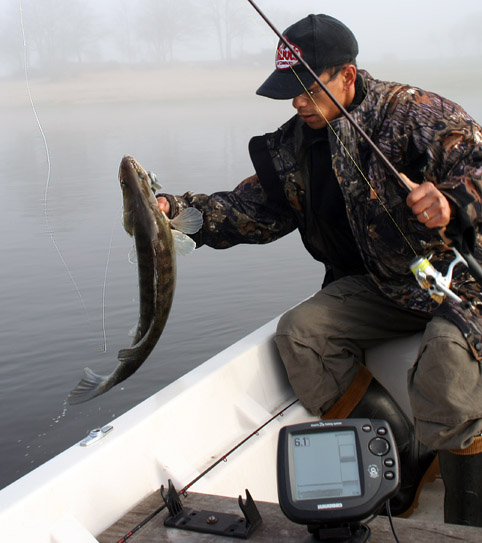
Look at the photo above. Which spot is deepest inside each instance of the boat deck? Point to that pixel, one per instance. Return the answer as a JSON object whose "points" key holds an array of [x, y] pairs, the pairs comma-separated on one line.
{"points": [[242, 398], [425, 525]]}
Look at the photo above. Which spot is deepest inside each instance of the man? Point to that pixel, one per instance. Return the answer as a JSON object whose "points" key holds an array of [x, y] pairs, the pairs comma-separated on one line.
{"points": [[318, 175]]}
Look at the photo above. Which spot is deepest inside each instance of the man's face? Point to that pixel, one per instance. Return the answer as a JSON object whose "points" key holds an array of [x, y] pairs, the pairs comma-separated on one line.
{"points": [[317, 109]]}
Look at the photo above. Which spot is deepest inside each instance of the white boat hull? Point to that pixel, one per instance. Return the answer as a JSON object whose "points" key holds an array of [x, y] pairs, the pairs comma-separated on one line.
{"points": [[176, 434]]}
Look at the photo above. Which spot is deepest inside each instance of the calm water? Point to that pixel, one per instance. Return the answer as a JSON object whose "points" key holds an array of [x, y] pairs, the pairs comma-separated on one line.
{"points": [[50, 328], [59, 310]]}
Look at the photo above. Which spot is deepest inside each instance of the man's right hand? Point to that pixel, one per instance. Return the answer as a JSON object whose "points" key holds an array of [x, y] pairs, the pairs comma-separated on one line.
{"points": [[163, 204]]}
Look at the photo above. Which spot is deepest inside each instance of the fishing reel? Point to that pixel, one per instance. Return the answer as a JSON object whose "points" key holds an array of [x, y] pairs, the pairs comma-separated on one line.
{"points": [[430, 279]]}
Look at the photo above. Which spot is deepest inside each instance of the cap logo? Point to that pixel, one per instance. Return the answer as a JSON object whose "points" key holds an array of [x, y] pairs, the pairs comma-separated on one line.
{"points": [[284, 57]]}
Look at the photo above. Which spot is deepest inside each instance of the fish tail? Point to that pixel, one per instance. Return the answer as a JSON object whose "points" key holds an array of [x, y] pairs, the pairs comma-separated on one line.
{"points": [[90, 386]]}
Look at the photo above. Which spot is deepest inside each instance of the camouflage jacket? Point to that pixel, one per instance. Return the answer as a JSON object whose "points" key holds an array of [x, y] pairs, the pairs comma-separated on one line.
{"points": [[424, 136]]}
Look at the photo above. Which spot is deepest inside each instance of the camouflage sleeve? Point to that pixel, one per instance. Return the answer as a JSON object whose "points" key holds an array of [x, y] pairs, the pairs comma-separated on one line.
{"points": [[439, 142], [245, 215]]}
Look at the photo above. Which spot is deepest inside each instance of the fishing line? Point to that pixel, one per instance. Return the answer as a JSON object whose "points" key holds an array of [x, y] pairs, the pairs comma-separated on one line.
{"points": [[49, 229], [390, 167], [350, 156], [104, 288], [49, 165], [456, 244]]}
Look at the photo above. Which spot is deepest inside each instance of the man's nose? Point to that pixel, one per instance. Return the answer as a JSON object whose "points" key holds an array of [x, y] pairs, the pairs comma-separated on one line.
{"points": [[300, 100]]}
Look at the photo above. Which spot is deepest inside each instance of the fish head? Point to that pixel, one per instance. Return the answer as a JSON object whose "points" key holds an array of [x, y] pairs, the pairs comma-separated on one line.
{"points": [[136, 188]]}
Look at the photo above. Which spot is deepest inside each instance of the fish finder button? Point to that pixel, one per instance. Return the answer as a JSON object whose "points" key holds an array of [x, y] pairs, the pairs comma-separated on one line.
{"points": [[379, 446], [332, 474]]}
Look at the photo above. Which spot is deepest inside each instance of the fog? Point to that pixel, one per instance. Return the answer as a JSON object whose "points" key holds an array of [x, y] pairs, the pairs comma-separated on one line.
{"points": [[68, 37], [171, 82]]}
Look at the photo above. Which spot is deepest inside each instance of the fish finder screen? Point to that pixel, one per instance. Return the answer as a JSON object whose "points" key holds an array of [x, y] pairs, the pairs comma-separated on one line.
{"points": [[325, 465]]}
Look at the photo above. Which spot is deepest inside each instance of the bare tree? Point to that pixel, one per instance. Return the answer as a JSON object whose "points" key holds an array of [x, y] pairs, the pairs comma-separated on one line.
{"points": [[11, 42], [58, 31], [161, 24], [123, 30], [232, 21]]}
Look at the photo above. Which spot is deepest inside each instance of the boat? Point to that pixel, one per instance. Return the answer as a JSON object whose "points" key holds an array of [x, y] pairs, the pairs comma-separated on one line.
{"points": [[214, 431]]}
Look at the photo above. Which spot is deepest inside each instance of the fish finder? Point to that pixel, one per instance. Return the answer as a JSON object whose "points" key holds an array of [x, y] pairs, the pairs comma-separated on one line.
{"points": [[334, 473]]}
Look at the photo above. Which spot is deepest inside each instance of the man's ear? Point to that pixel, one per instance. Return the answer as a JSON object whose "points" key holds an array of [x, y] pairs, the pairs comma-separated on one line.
{"points": [[349, 76]]}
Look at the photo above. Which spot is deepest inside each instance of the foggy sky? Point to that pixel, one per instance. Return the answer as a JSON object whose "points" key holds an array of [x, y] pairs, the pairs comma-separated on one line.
{"points": [[385, 29]]}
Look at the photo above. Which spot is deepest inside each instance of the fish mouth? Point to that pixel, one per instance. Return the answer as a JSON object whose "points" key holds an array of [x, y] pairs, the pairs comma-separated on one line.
{"points": [[156, 278], [128, 167], [135, 188], [155, 248], [128, 160], [132, 174]]}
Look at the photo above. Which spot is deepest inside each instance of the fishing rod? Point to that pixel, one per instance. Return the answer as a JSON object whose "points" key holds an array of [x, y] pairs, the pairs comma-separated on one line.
{"points": [[343, 110], [437, 281], [223, 458]]}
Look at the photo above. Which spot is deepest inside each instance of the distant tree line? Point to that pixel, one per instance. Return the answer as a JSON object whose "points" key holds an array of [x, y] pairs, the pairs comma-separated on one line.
{"points": [[60, 33]]}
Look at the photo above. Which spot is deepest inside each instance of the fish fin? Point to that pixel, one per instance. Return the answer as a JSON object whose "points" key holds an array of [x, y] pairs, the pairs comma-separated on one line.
{"points": [[183, 244], [189, 221], [90, 386], [155, 185], [128, 356], [132, 256]]}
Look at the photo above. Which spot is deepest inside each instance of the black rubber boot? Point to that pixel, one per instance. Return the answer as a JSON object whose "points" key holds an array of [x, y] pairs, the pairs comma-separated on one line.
{"points": [[415, 458], [462, 477]]}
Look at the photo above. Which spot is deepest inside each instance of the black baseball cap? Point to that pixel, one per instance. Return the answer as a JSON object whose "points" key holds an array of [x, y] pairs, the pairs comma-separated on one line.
{"points": [[322, 41]]}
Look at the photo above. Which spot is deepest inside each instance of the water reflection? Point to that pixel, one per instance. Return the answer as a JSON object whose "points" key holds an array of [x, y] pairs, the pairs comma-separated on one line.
{"points": [[47, 337]]}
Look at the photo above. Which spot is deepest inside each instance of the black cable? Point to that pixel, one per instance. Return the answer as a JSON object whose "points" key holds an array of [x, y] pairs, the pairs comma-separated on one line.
{"points": [[389, 514]]}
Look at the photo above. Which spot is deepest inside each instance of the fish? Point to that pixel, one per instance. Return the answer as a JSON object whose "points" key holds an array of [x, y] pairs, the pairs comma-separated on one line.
{"points": [[157, 241]]}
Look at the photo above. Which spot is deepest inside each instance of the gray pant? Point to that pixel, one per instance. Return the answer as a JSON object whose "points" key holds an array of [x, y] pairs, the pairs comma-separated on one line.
{"points": [[322, 343]]}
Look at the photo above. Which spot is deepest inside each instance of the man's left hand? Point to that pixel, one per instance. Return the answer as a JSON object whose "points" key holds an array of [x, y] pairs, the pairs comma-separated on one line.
{"points": [[429, 205]]}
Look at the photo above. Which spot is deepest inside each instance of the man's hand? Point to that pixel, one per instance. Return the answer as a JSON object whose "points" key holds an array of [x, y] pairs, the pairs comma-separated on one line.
{"points": [[163, 204], [429, 205]]}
